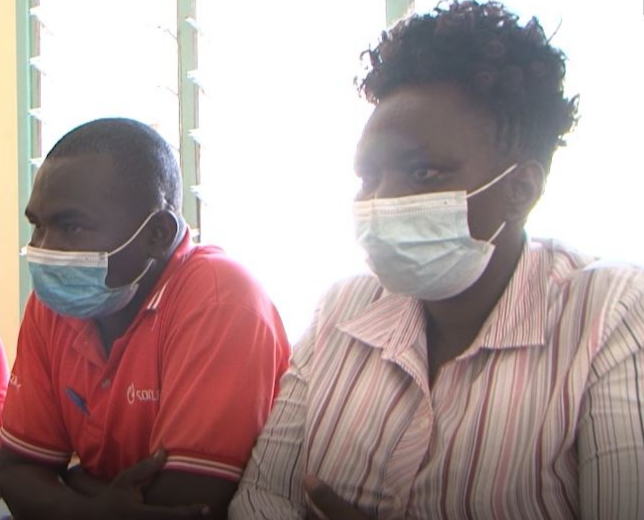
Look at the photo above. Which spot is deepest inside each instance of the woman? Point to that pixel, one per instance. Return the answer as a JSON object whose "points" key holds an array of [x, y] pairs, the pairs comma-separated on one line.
{"points": [[479, 373]]}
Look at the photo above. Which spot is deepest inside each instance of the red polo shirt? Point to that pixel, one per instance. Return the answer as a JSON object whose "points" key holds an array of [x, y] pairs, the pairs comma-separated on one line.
{"points": [[195, 373]]}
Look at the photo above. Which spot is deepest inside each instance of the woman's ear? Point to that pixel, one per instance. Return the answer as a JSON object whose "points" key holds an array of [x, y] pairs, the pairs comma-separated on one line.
{"points": [[164, 228], [525, 187]]}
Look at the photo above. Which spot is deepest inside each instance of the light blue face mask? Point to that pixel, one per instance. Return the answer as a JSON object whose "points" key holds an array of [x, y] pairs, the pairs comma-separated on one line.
{"points": [[72, 283]]}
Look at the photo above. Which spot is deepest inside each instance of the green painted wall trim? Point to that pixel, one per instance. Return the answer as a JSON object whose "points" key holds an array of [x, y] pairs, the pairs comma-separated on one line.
{"points": [[188, 109], [25, 135], [398, 9]]}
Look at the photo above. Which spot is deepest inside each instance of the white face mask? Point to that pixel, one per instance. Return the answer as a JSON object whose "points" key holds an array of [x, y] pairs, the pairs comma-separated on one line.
{"points": [[421, 245]]}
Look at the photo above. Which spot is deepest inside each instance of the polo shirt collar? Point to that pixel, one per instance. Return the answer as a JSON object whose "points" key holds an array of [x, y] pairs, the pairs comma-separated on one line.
{"points": [[87, 328], [394, 322], [179, 256]]}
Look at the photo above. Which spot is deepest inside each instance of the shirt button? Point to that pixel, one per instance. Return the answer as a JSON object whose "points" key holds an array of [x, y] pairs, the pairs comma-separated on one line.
{"points": [[398, 502], [424, 424], [106, 383]]}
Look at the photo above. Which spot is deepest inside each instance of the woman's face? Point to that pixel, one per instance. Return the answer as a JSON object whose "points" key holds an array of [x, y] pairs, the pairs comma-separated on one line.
{"points": [[432, 138]]}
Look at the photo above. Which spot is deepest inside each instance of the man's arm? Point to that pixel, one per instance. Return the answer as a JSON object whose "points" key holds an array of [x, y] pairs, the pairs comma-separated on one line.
{"points": [[36, 491], [167, 488], [222, 356], [272, 485], [175, 488]]}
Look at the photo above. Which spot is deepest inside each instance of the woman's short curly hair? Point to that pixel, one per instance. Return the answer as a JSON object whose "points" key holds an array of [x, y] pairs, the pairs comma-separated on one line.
{"points": [[511, 69]]}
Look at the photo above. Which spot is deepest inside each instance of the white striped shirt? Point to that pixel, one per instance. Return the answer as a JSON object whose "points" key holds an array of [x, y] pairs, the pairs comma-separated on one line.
{"points": [[540, 418]]}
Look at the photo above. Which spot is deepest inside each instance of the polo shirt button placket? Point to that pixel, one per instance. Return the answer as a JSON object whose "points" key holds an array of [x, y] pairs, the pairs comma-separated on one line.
{"points": [[106, 383]]}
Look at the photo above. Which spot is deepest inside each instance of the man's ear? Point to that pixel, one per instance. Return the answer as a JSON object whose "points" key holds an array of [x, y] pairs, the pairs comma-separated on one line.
{"points": [[525, 187], [164, 228]]}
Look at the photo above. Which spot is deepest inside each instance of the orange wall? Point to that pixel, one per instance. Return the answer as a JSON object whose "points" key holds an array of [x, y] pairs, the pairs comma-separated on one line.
{"points": [[9, 289]]}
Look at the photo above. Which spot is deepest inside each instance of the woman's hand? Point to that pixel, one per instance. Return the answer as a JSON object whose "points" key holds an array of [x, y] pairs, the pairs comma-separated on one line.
{"points": [[329, 503]]}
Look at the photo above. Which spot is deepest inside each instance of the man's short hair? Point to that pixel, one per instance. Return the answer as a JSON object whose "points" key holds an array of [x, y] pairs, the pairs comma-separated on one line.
{"points": [[138, 152], [509, 69]]}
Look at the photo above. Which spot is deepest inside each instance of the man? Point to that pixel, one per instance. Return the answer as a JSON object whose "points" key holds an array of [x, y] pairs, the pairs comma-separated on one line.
{"points": [[153, 360], [480, 373]]}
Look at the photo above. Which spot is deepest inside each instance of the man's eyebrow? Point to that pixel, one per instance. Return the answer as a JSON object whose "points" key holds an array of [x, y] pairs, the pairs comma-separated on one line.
{"points": [[413, 150], [70, 214], [62, 216]]}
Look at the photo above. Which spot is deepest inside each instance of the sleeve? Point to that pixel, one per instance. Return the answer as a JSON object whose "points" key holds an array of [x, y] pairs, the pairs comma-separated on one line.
{"points": [[219, 377], [611, 433], [32, 420], [272, 485]]}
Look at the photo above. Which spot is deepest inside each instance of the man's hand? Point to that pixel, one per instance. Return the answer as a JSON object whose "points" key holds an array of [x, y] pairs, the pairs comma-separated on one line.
{"points": [[331, 505], [124, 500], [82, 482]]}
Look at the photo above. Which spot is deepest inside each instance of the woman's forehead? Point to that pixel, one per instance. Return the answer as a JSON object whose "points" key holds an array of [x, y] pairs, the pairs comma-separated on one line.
{"points": [[439, 116]]}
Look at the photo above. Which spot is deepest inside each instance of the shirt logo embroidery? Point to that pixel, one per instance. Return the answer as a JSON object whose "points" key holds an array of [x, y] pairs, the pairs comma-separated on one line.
{"points": [[141, 395]]}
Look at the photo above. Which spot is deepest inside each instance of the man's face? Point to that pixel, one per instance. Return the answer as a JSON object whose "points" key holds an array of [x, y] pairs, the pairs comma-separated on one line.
{"points": [[430, 139], [81, 204]]}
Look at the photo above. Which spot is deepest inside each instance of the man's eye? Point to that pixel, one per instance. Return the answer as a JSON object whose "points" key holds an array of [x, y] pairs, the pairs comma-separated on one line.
{"points": [[72, 229]]}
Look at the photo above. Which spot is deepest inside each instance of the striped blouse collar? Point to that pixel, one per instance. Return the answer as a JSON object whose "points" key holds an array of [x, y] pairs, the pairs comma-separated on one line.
{"points": [[394, 322]]}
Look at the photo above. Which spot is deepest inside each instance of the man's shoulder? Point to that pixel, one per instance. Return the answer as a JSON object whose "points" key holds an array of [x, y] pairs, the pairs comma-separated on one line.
{"points": [[206, 266], [38, 316], [44, 330], [207, 274]]}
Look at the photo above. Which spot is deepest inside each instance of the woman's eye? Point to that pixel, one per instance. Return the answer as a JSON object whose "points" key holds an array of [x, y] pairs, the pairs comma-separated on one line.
{"points": [[369, 181], [424, 174]]}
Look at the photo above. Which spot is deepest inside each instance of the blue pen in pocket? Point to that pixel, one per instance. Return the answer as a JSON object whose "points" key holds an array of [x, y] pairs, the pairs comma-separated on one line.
{"points": [[77, 400]]}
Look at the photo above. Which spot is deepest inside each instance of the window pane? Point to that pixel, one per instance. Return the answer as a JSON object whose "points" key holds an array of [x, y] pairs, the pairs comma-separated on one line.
{"points": [[279, 122], [595, 185], [107, 58]]}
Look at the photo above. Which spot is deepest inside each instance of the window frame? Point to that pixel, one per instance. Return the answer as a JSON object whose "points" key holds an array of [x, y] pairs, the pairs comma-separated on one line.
{"points": [[28, 83], [29, 126]]}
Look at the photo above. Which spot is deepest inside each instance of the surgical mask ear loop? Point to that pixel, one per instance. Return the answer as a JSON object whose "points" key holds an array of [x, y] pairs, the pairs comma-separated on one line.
{"points": [[492, 182], [497, 232], [485, 187], [128, 242], [147, 268], [131, 239]]}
